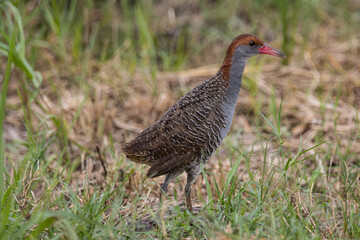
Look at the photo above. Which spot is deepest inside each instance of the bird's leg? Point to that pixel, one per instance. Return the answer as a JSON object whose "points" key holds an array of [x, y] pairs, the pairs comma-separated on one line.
{"points": [[188, 197], [192, 174], [164, 187], [168, 179]]}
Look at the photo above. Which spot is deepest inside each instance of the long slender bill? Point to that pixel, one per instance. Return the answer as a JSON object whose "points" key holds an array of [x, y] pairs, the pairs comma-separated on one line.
{"points": [[266, 49]]}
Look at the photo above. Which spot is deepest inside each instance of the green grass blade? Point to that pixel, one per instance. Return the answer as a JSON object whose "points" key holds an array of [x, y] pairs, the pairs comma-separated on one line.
{"points": [[208, 188], [50, 220], [2, 112], [232, 172], [270, 124], [5, 209]]}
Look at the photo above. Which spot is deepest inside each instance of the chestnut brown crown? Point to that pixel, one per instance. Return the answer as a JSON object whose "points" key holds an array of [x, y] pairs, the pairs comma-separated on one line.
{"points": [[250, 45]]}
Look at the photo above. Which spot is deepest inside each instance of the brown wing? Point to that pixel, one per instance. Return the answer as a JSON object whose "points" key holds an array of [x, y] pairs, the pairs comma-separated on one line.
{"points": [[184, 128], [165, 137], [167, 164], [141, 148]]}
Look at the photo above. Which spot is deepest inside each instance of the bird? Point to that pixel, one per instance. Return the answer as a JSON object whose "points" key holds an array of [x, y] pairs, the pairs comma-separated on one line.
{"points": [[185, 137]]}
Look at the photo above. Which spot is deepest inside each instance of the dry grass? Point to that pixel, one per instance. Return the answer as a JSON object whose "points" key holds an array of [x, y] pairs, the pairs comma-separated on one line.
{"points": [[121, 105]]}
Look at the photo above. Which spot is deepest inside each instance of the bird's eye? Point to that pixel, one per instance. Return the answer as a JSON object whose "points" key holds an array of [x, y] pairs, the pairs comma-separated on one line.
{"points": [[251, 43]]}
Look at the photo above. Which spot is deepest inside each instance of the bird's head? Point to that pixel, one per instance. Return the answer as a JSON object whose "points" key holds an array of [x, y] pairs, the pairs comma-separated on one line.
{"points": [[245, 46], [249, 45]]}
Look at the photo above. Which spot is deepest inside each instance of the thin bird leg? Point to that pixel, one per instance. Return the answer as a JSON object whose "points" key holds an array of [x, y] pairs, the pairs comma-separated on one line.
{"points": [[191, 177], [169, 178], [188, 197], [192, 174], [164, 187]]}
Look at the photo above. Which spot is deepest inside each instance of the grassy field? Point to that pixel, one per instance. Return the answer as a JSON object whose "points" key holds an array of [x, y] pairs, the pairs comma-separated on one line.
{"points": [[79, 78]]}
